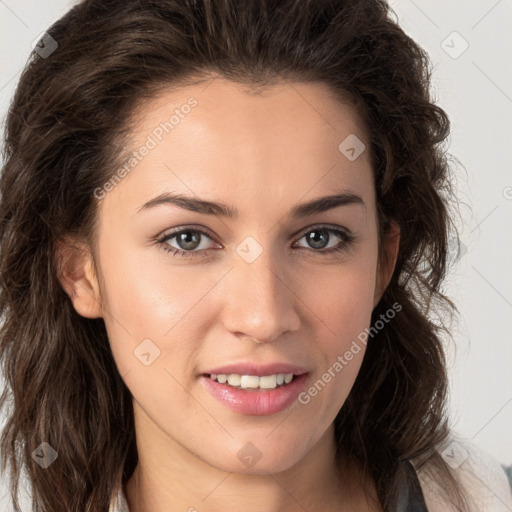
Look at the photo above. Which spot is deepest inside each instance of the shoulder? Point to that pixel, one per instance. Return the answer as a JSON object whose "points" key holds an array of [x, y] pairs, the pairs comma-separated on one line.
{"points": [[482, 478]]}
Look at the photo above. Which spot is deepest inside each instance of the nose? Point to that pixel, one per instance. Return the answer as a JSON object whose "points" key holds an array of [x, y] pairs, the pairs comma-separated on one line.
{"points": [[260, 301]]}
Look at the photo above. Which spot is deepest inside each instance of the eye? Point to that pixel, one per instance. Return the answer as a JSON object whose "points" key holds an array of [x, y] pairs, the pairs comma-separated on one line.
{"points": [[189, 242], [319, 238]]}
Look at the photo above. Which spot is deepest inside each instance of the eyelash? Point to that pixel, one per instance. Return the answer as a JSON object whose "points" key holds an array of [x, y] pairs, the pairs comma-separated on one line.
{"points": [[347, 241]]}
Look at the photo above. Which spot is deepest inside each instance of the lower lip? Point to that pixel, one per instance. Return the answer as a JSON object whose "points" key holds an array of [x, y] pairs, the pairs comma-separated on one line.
{"points": [[255, 401]]}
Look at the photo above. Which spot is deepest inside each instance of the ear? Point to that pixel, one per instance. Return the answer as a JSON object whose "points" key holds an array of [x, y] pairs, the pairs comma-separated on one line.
{"points": [[386, 266], [75, 271]]}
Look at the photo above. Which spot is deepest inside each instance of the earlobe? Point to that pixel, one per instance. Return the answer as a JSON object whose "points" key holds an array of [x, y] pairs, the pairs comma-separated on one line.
{"points": [[75, 271], [385, 269]]}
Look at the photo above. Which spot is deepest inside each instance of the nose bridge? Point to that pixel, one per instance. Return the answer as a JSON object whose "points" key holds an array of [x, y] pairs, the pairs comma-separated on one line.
{"points": [[261, 303]]}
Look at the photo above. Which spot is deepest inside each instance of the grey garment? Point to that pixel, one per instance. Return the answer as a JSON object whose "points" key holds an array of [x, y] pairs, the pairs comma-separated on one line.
{"points": [[411, 495], [410, 498], [508, 472]]}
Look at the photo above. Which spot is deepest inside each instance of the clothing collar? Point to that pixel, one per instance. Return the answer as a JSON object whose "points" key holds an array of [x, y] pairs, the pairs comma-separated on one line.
{"points": [[118, 502]]}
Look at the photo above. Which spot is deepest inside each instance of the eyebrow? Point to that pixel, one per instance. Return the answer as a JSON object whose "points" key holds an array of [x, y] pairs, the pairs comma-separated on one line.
{"points": [[203, 206]]}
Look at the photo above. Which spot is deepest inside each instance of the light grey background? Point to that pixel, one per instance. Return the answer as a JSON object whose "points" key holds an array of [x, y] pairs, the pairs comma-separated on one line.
{"points": [[475, 88]]}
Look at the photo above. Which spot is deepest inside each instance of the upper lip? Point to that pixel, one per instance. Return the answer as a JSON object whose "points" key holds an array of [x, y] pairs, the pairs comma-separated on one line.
{"points": [[251, 368]]}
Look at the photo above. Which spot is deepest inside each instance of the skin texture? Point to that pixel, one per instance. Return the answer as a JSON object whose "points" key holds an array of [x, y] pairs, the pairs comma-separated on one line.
{"points": [[262, 154]]}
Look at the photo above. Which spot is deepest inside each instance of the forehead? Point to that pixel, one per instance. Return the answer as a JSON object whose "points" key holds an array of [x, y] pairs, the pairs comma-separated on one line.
{"points": [[302, 108], [220, 138]]}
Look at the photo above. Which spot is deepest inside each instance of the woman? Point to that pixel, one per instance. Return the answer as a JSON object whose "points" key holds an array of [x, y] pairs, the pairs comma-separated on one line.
{"points": [[223, 226]]}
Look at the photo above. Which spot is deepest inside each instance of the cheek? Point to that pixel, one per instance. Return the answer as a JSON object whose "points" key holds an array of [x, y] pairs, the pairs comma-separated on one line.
{"points": [[342, 302], [147, 299], [342, 297], [146, 293]]}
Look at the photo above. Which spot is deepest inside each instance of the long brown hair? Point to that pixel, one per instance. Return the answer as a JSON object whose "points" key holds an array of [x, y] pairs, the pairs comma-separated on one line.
{"points": [[64, 134]]}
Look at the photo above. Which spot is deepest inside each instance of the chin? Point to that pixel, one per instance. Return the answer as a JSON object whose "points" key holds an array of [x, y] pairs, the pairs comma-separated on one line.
{"points": [[257, 458]]}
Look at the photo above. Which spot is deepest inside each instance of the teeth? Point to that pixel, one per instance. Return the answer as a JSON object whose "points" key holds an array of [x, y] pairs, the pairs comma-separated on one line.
{"points": [[248, 381], [253, 381], [234, 380], [268, 381]]}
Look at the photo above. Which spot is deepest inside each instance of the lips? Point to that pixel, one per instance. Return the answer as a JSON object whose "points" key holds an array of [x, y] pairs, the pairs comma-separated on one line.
{"points": [[251, 388]]}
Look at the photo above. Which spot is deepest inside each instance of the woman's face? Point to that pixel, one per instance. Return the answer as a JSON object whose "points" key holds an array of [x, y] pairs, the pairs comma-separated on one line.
{"points": [[260, 292]]}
